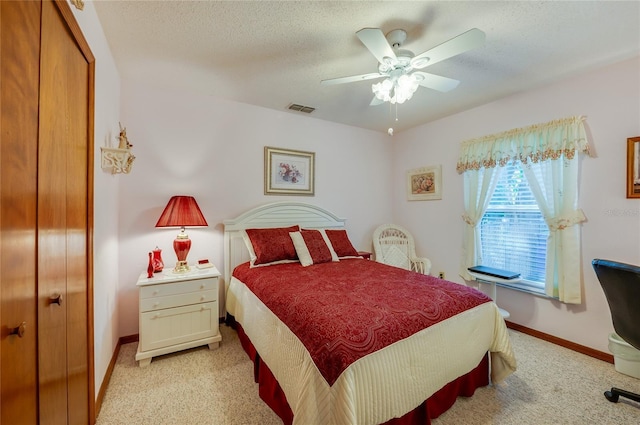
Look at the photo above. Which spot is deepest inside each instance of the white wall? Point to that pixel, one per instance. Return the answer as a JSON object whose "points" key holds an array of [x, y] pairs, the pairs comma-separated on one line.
{"points": [[609, 98], [105, 241], [213, 149]]}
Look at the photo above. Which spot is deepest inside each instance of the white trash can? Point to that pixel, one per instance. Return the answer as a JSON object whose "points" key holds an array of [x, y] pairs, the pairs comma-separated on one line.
{"points": [[626, 357]]}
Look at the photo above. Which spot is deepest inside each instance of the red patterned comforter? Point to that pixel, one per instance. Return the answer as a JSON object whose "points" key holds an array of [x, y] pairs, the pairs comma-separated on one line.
{"points": [[344, 310]]}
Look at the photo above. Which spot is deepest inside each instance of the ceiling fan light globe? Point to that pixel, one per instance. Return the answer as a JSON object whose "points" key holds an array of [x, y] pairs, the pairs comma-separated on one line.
{"points": [[406, 85], [381, 90], [401, 97], [404, 80]]}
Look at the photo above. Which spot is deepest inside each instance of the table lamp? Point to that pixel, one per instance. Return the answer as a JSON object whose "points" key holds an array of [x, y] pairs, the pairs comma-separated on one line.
{"points": [[181, 211]]}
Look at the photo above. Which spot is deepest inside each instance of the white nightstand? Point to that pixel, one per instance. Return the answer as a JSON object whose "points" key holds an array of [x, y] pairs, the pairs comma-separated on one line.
{"points": [[177, 311]]}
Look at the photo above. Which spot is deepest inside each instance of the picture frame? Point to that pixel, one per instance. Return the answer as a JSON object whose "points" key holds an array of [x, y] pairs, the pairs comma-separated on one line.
{"points": [[424, 184], [289, 172], [633, 167]]}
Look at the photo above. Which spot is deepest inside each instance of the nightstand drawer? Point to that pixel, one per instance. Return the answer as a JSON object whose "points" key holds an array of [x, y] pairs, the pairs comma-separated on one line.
{"points": [[159, 303], [163, 290], [178, 325]]}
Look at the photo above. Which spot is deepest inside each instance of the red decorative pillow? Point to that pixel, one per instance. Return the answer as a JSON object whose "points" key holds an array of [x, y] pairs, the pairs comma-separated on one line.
{"points": [[341, 243], [312, 247], [272, 245]]}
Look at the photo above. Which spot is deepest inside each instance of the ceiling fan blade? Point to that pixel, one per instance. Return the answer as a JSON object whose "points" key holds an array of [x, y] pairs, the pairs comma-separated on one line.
{"points": [[351, 79], [376, 42], [460, 44], [436, 82]]}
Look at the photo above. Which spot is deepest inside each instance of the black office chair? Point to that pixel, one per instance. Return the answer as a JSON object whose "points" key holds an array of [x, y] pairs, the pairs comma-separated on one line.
{"points": [[621, 285]]}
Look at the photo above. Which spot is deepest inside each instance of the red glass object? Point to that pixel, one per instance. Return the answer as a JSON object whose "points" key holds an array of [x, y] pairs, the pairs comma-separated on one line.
{"points": [[158, 264], [181, 211], [150, 267]]}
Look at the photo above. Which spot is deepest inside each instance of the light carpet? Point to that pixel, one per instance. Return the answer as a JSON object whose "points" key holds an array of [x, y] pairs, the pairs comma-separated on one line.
{"points": [[553, 385]]}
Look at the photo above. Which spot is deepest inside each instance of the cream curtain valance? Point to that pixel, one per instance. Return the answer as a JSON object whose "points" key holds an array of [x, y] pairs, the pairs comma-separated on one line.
{"points": [[534, 143]]}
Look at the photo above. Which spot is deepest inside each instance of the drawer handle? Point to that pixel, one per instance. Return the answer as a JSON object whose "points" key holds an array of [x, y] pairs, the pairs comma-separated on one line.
{"points": [[156, 315], [155, 305]]}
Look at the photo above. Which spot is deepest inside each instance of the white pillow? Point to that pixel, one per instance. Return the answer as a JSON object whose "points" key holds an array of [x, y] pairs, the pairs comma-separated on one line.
{"points": [[247, 242], [301, 249]]}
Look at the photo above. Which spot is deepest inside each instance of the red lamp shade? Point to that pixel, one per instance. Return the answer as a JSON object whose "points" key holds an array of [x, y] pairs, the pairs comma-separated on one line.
{"points": [[181, 211]]}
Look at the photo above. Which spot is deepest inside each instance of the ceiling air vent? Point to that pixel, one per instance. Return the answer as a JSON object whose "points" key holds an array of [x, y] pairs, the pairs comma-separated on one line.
{"points": [[301, 108]]}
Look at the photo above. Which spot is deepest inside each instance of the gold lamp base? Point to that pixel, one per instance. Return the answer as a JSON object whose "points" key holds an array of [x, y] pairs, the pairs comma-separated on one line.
{"points": [[181, 267]]}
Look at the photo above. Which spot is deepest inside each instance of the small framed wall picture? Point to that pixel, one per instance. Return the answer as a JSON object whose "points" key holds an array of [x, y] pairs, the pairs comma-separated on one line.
{"points": [[424, 184], [288, 172], [633, 167]]}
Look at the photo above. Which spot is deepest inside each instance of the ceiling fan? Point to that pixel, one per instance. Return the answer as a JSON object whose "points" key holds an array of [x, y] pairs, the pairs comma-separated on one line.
{"points": [[400, 66]]}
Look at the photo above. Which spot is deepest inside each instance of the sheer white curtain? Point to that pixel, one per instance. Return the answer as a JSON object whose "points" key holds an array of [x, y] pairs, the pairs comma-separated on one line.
{"points": [[478, 188], [553, 149], [556, 193]]}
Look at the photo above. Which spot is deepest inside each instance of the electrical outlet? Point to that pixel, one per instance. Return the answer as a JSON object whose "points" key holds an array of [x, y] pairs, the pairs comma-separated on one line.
{"points": [[441, 275]]}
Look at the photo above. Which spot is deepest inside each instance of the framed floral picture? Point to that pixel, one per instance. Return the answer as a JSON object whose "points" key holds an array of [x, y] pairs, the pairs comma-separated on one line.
{"points": [[288, 172], [424, 184], [633, 167]]}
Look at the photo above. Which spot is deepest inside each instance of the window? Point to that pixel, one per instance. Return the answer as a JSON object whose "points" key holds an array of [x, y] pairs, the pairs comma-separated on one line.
{"points": [[513, 233]]}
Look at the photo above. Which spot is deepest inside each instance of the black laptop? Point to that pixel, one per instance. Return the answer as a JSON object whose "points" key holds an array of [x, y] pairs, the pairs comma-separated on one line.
{"points": [[490, 271]]}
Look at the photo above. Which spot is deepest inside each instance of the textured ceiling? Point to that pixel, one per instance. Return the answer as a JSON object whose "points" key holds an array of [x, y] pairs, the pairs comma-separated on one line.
{"points": [[272, 54]]}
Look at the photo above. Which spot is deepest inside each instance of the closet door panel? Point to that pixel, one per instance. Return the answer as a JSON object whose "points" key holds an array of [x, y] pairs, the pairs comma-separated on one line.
{"points": [[46, 106], [19, 63], [63, 225], [76, 105], [52, 238]]}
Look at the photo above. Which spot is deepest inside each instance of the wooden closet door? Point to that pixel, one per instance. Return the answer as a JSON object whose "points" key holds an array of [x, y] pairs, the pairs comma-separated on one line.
{"points": [[19, 61], [63, 225]]}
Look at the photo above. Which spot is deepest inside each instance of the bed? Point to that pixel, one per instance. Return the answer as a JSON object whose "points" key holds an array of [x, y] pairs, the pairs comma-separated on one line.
{"points": [[408, 366]]}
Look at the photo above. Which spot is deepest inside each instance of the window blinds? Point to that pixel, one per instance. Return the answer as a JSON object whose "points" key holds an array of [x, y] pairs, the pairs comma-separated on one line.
{"points": [[513, 233]]}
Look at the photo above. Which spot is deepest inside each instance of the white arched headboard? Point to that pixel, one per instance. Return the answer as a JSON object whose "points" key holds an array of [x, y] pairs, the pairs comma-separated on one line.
{"points": [[276, 214]]}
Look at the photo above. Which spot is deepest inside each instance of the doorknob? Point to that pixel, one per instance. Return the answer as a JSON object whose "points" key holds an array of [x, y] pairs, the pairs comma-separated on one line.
{"points": [[55, 299], [19, 330]]}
